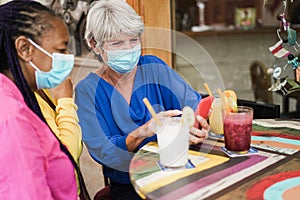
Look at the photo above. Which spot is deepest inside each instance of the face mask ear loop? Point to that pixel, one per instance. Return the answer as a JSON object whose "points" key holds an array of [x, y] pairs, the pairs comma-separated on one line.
{"points": [[40, 48], [106, 62], [99, 56], [34, 66], [104, 49]]}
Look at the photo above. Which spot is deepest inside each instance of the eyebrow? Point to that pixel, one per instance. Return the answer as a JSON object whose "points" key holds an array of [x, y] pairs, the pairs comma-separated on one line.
{"points": [[118, 39]]}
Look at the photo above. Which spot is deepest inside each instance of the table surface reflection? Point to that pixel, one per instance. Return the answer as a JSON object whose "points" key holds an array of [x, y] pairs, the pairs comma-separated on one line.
{"points": [[274, 171]]}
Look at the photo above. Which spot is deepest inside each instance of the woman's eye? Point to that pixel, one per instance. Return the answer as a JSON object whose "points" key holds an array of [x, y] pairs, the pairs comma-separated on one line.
{"points": [[116, 43], [134, 40], [61, 50]]}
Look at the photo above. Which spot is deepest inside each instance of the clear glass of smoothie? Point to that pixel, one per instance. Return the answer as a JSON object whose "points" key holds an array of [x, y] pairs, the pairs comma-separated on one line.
{"points": [[238, 129]]}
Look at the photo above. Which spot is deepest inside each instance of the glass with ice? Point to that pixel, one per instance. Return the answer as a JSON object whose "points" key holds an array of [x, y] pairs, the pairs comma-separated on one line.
{"points": [[238, 129], [173, 142]]}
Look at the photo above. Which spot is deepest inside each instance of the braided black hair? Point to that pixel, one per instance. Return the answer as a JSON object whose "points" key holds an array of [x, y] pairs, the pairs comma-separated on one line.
{"points": [[30, 19], [21, 18]]}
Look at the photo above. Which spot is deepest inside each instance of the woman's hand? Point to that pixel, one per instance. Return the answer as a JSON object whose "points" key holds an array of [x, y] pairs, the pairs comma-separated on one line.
{"points": [[154, 126], [199, 135], [196, 135], [147, 130], [63, 90]]}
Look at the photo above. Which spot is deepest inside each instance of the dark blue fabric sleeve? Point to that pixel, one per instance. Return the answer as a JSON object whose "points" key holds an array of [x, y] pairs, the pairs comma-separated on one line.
{"points": [[109, 151]]}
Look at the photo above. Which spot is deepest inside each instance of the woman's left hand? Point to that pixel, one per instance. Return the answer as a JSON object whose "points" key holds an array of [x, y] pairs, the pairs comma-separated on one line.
{"points": [[199, 135], [63, 90]]}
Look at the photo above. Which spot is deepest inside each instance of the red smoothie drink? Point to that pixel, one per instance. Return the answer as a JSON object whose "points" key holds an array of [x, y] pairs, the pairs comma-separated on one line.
{"points": [[238, 129]]}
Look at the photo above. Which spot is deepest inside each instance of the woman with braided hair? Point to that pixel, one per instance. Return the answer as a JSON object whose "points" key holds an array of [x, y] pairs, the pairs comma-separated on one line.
{"points": [[35, 90]]}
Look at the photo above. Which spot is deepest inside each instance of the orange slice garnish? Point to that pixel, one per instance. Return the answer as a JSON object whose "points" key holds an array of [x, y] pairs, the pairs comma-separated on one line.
{"points": [[230, 101]]}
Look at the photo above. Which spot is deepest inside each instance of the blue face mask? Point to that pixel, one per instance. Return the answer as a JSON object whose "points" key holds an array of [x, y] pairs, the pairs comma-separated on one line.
{"points": [[123, 61], [62, 65]]}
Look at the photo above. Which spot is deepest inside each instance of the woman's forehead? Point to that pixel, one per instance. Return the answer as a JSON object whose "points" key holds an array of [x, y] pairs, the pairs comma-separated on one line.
{"points": [[59, 33], [122, 36]]}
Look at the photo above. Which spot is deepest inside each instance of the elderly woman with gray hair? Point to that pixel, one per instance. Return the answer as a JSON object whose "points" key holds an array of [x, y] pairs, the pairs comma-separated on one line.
{"points": [[114, 120]]}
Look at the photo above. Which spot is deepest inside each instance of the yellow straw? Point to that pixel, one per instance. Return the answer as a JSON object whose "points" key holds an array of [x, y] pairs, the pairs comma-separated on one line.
{"points": [[151, 110], [207, 89], [223, 100]]}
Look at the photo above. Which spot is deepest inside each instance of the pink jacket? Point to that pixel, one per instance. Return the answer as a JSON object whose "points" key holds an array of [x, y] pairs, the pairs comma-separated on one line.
{"points": [[31, 162]]}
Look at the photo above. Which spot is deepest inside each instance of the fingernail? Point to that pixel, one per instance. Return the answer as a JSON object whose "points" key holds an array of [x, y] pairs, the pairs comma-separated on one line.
{"points": [[198, 117], [179, 112]]}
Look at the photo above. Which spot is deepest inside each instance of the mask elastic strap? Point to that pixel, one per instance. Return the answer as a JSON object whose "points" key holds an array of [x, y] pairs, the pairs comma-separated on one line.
{"points": [[40, 48], [34, 66], [104, 49]]}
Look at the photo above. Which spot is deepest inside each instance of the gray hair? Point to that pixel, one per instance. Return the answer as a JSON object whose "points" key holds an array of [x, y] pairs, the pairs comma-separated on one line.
{"points": [[108, 18]]}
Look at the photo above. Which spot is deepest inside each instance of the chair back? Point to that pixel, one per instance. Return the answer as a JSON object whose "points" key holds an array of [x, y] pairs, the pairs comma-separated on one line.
{"points": [[261, 110], [261, 82]]}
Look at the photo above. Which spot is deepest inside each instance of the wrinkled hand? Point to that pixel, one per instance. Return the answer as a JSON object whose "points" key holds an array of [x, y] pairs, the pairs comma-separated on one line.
{"points": [[199, 135], [147, 130], [63, 90], [154, 126]]}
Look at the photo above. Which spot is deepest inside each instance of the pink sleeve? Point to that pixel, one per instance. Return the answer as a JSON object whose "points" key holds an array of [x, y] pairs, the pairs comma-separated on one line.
{"points": [[32, 165]]}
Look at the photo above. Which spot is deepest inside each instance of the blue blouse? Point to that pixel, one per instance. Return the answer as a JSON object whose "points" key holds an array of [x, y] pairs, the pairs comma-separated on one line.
{"points": [[106, 118]]}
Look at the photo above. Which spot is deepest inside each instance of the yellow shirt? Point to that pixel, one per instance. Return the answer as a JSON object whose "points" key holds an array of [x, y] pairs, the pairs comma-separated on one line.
{"points": [[63, 122]]}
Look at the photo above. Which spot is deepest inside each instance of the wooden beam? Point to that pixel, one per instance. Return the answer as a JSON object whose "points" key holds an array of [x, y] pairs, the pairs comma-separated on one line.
{"points": [[157, 18]]}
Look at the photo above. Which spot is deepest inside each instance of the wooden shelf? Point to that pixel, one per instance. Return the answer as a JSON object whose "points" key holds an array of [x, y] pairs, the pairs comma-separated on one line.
{"points": [[229, 31]]}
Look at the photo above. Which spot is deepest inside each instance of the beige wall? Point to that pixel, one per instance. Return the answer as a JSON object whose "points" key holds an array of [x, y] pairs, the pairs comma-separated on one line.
{"points": [[233, 55]]}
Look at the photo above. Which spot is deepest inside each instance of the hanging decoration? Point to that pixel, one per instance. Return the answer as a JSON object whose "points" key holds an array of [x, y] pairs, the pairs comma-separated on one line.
{"points": [[286, 53]]}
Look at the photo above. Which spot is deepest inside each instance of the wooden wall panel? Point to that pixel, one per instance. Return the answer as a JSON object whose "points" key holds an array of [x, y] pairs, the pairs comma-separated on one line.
{"points": [[138, 6], [156, 14]]}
